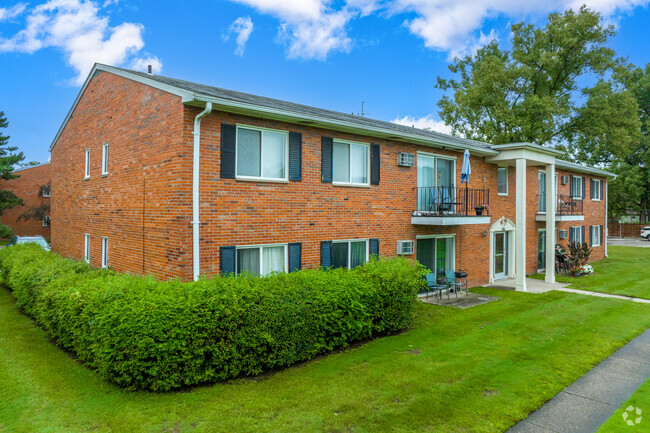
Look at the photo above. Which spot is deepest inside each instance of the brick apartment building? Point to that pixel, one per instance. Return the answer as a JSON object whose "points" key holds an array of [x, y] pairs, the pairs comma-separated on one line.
{"points": [[154, 175], [33, 186]]}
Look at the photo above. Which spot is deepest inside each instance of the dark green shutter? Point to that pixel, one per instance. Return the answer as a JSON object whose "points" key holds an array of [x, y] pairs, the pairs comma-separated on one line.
{"points": [[228, 144], [591, 235], [592, 189], [326, 254], [295, 156], [375, 164], [326, 158], [227, 260], [572, 236], [584, 187], [295, 256], [373, 247], [602, 235], [583, 235]]}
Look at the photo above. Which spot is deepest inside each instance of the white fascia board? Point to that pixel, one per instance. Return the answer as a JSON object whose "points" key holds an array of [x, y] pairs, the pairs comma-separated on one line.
{"points": [[560, 218], [317, 121], [570, 166], [449, 221], [98, 67]]}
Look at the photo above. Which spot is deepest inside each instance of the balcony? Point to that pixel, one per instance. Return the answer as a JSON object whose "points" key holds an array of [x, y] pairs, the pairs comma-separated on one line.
{"points": [[567, 208], [449, 206]]}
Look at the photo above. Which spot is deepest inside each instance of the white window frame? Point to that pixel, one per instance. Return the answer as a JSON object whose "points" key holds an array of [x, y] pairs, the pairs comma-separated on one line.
{"points": [[87, 165], [260, 247], [46, 221], [104, 252], [86, 247], [571, 189], [352, 143], [349, 241], [261, 178], [578, 234], [47, 191], [594, 230], [503, 194], [454, 246], [104, 159], [599, 189]]}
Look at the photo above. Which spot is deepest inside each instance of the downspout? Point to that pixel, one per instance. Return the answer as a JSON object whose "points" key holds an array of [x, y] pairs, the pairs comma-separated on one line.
{"points": [[606, 234], [195, 189]]}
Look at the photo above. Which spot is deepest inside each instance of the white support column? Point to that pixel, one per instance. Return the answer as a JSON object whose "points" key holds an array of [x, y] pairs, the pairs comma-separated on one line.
{"points": [[605, 235], [551, 203], [520, 226]]}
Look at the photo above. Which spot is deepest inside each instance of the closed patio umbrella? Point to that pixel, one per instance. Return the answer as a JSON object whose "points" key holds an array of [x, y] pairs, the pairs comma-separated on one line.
{"points": [[464, 176]]}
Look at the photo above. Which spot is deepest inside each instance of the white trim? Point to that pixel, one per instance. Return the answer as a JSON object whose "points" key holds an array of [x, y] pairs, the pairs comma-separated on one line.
{"points": [[86, 247], [503, 194], [260, 247], [367, 242], [541, 217], [605, 229], [349, 143], [449, 220], [600, 236], [260, 178], [104, 252], [436, 155], [105, 156], [451, 235], [87, 164]]}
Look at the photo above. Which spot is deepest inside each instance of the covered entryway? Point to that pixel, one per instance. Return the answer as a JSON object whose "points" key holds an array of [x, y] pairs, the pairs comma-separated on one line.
{"points": [[501, 254], [502, 247]]}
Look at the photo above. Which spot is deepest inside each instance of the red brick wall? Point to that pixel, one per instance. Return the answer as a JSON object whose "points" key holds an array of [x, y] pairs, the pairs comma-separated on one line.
{"points": [[27, 187], [143, 204]]}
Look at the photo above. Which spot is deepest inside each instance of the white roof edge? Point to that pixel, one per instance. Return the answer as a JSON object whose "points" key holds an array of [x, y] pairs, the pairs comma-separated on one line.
{"points": [[105, 68], [31, 166], [584, 169], [531, 146]]}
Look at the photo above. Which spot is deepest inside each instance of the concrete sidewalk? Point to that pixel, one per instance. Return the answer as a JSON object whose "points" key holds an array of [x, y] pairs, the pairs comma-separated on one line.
{"points": [[586, 404]]}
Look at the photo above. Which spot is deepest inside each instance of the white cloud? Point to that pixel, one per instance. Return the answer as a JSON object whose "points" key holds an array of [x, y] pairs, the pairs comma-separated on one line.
{"points": [[242, 27], [12, 12], [77, 28], [426, 122], [142, 64]]}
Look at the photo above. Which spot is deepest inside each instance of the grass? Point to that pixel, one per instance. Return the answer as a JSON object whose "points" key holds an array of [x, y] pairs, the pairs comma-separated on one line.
{"points": [[475, 370], [640, 399], [624, 272]]}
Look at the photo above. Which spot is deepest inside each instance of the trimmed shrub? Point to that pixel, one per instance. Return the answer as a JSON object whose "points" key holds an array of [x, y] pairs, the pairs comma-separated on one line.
{"points": [[141, 333], [6, 231]]}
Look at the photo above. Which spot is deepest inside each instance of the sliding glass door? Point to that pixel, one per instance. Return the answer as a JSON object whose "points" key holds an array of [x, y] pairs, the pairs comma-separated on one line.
{"points": [[434, 172], [437, 254]]}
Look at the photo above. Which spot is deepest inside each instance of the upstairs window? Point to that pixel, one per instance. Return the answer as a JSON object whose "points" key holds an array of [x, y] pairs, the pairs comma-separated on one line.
{"points": [[577, 187], [105, 158], [45, 191], [350, 163], [87, 165], [596, 189], [46, 221], [502, 175], [261, 153]]}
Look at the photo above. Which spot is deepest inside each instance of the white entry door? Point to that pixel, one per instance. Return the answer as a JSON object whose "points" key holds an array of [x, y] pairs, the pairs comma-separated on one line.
{"points": [[500, 255]]}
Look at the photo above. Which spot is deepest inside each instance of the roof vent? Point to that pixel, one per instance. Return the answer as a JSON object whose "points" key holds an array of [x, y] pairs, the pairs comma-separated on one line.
{"points": [[149, 70]]}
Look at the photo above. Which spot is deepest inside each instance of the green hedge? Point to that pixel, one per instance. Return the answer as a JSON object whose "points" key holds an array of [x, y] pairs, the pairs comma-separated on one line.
{"points": [[141, 333]]}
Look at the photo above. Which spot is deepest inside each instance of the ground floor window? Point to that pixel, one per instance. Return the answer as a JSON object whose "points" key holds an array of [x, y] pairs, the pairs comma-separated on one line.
{"points": [[349, 254], [596, 236], [437, 254], [261, 260], [576, 235], [46, 221], [541, 249], [104, 252], [87, 248]]}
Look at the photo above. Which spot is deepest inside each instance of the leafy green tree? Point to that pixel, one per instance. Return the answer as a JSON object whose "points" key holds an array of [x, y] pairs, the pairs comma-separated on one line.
{"points": [[532, 93], [8, 160]]}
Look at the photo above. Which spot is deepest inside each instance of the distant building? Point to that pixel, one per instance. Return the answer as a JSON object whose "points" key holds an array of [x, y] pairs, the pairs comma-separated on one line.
{"points": [[33, 186]]}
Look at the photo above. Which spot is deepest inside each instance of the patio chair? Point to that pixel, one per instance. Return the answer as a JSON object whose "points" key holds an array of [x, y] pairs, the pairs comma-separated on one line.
{"points": [[432, 284], [452, 283], [440, 200]]}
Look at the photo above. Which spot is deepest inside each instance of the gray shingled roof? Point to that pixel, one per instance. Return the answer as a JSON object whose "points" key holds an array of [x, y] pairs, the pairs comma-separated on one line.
{"points": [[299, 109]]}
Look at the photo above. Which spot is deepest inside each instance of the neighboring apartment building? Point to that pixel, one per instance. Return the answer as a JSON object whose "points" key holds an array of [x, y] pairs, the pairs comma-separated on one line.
{"points": [[276, 185], [33, 186]]}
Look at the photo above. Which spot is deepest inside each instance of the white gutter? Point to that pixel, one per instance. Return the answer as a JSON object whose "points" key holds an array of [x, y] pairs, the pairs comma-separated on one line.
{"points": [[195, 190]]}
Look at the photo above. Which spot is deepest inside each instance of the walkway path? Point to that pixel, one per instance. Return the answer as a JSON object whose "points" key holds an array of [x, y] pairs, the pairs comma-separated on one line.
{"points": [[587, 403]]}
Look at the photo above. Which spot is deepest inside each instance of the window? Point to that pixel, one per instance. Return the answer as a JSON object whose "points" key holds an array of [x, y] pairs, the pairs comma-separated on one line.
{"points": [[261, 153], [596, 189], [596, 236], [350, 163], [576, 187], [87, 248], [46, 221], [104, 252], [575, 235], [261, 260], [87, 165], [502, 175], [45, 191], [349, 254], [105, 158]]}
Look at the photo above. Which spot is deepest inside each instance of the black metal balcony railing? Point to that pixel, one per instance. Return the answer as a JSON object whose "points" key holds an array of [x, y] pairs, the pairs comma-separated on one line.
{"points": [[564, 205], [451, 201]]}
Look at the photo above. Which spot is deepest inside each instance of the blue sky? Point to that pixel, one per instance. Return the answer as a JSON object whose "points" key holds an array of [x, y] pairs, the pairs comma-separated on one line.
{"points": [[329, 54]]}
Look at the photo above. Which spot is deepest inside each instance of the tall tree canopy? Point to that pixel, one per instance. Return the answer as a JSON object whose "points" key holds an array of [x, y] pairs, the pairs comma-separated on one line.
{"points": [[8, 159], [533, 93]]}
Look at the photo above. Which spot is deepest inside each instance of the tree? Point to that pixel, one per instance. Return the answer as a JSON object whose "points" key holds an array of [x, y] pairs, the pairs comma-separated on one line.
{"points": [[531, 92], [8, 160], [38, 213]]}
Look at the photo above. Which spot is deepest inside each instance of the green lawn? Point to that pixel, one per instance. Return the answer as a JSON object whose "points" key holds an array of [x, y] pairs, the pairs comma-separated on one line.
{"points": [[625, 272], [640, 399], [475, 370]]}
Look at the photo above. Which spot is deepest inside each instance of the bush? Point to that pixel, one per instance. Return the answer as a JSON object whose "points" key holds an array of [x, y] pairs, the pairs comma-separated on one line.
{"points": [[6, 231], [145, 334]]}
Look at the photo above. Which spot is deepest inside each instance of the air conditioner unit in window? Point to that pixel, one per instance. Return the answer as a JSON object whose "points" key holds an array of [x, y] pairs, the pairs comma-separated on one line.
{"points": [[405, 159], [565, 180], [564, 234], [405, 247]]}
